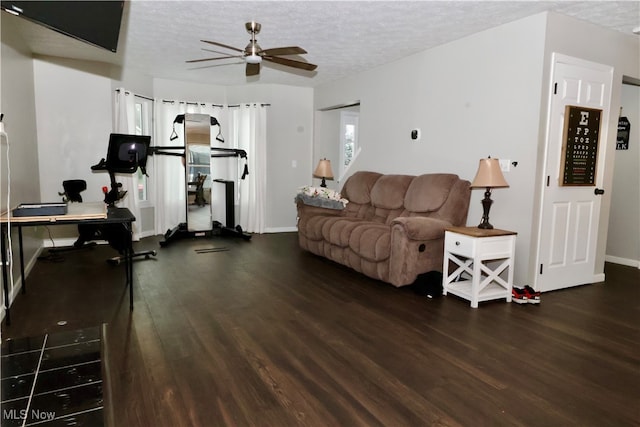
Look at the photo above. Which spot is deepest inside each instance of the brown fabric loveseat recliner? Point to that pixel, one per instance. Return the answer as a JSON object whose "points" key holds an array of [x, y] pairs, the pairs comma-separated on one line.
{"points": [[393, 227]]}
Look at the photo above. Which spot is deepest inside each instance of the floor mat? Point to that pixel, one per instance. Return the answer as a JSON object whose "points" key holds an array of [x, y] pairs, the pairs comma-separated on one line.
{"points": [[53, 380]]}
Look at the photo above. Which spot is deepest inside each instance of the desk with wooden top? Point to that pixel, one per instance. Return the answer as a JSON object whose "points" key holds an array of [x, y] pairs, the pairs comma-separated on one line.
{"points": [[94, 213]]}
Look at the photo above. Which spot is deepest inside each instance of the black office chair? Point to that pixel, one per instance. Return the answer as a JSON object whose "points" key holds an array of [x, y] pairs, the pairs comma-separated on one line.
{"points": [[112, 233], [72, 189], [87, 233]]}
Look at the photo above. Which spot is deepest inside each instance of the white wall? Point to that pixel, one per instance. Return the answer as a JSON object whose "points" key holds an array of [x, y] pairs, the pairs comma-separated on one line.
{"points": [[169, 90], [74, 120], [472, 98], [17, 102], [623, 241]]}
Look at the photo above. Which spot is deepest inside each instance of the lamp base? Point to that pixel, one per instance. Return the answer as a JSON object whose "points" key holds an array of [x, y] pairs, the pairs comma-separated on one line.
{"points": [[486, 205], [323, 183]]}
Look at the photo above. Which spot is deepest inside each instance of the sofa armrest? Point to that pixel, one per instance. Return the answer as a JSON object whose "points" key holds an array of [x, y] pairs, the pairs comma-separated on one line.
{"points": [[417, 246], [421, 228]]}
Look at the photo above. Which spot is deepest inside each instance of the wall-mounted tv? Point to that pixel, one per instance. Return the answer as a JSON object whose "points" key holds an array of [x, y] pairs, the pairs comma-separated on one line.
{"points": [[93, 22]]}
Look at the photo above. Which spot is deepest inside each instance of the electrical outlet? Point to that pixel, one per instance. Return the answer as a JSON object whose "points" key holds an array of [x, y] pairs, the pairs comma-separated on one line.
{"points": [[505, 165]]}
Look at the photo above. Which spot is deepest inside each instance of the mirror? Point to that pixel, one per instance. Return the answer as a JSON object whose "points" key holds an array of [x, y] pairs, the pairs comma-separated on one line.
{"points": [[197, 131]]}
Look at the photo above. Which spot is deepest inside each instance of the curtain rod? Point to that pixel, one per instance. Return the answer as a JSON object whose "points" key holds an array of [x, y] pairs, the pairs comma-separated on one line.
{"points": [[170, 101], [136, 95], [249, 105]]}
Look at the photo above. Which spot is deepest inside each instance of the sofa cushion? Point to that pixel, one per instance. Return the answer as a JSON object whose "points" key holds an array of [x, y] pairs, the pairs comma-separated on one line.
{"points": [[427, 193], [387, 197], [371, 241], [338, 229], [357, 188], [311, 227]]}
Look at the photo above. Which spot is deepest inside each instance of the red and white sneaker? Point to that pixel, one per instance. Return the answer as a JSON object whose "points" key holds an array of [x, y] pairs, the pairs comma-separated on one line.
{"points": [[519, 296], [533, 296]]}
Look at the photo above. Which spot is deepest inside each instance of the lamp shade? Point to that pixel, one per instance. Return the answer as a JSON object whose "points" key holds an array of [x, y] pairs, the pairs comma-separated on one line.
{"points": [[489, 175], [323, 170]]}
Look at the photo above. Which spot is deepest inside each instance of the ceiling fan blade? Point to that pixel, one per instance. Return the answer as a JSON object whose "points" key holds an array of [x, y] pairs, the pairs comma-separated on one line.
{"points": [[290, 50], [223, 45], [214, 51], [291, 63], [252, 69], [213, 59]]}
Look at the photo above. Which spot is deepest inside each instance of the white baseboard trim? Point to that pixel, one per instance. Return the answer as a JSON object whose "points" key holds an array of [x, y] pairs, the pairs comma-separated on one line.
{"points": [[60, 242], [622, 261], [281, 230], [67, 242], [148, 233]]}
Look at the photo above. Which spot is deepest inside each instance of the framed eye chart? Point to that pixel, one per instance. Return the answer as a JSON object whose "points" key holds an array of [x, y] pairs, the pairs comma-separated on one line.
{"points": [[581, 134]]}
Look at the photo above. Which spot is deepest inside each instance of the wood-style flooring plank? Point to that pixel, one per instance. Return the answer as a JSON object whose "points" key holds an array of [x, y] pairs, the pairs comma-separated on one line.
{"points": [[264, 334]]}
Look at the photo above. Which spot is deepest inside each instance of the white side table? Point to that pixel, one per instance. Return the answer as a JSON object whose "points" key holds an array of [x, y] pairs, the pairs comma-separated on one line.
{"points": [[482, 259]]}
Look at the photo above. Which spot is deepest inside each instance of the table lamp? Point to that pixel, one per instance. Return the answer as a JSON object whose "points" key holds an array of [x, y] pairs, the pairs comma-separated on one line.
{"points": [[489, 176], [323, 170]]}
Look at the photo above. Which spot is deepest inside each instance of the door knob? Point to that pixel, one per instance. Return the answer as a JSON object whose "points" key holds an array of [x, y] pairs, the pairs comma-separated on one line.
{"points": [[598, 192]]}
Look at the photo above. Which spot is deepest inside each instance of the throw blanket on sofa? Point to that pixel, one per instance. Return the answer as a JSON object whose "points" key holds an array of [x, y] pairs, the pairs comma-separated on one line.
{"points": [[392, 228], [322, 197]]}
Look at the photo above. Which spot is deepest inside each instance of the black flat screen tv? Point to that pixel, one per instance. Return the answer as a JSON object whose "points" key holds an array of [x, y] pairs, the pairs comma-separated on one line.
{"points": [[93, 22], [128, 152]]}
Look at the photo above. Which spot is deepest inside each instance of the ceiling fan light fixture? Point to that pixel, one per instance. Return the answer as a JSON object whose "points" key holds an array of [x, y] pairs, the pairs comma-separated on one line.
{"points": [[253, 54], [253, 59]]}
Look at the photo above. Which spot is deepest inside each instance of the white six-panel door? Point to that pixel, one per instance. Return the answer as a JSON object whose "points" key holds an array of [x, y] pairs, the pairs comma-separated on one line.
{"points": [[570, 214]]}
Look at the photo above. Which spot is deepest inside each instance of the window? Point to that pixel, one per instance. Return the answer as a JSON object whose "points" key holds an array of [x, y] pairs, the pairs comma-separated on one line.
{"points": [[348, 138], [144, 125]]}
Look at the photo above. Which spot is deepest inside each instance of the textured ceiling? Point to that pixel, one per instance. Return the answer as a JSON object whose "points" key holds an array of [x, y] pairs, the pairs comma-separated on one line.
{"points": [[341, 37]]}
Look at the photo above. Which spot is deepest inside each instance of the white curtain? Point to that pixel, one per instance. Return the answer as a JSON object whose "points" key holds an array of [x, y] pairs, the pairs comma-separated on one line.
{"points": [[249, 131], [124, 122], [168, 179]]}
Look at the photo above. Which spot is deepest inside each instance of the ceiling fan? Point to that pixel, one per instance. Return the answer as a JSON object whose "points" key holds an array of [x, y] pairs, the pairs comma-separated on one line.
{"points": [[253, 54]]}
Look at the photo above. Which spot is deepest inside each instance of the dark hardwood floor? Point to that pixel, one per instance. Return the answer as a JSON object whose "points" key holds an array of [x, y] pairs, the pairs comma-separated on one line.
{"points": [[264, 334]]}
